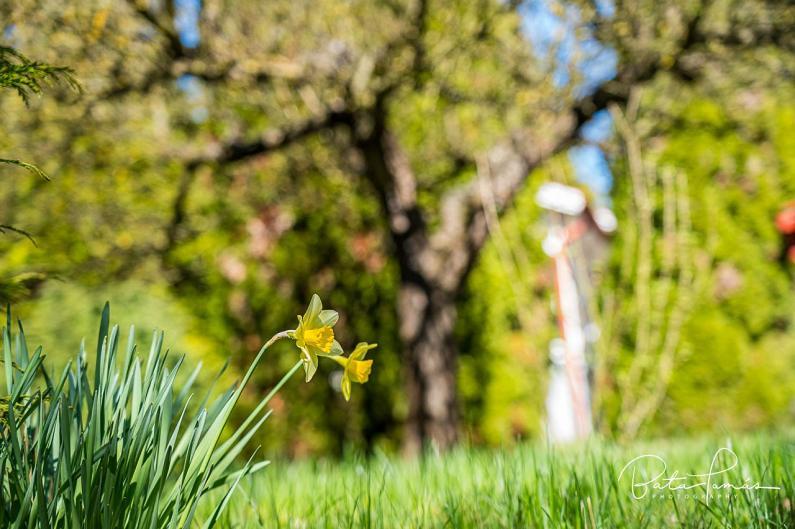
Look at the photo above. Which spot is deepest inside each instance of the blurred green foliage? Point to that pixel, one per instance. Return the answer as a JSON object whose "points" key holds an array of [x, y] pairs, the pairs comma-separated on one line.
{"points": [[224, 263], [735, 365], [739, 367]]}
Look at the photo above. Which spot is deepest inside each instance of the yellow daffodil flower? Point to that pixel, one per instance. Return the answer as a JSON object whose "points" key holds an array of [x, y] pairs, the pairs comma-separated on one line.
{"points": [[355, 367], [314, 335]]}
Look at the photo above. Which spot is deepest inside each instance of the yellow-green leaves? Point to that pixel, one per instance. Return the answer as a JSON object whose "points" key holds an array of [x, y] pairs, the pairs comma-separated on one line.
{"points": [[355, 367], [314, 335]]}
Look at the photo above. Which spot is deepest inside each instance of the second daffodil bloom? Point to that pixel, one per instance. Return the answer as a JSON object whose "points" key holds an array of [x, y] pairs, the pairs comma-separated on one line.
{"points": [[355, 367], [314, 335]]}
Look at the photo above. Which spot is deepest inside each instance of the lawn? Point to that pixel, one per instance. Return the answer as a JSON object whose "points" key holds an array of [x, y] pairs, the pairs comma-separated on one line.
{"points": [[531, 485], [118, 452]]}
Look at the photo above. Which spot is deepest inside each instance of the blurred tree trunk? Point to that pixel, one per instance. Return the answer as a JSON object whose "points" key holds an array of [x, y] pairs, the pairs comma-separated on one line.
{"points": [[434, 264], [427, 318], [426, 305]]}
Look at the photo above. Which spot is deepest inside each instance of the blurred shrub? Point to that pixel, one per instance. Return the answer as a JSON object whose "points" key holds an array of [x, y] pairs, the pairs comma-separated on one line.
{"points": [[735, 364]]}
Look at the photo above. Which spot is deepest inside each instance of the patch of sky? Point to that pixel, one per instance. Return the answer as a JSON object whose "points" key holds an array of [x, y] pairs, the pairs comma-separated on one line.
{"points": [[192, 87], [8, 32], [599, 128], [186, 20], [550, 26], [592, 169]]}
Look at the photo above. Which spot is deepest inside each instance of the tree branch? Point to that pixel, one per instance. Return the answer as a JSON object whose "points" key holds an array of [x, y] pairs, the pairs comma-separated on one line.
{"points": [[388, 169], [235, 151], [5, 227], [180, 61], [208, 72], [167, 30], [511, 162]]}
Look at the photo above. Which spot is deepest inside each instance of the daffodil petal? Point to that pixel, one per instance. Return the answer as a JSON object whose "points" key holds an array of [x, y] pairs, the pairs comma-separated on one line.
{"points": [[345, 386], [310, 363], [309, 370], [329, 317], [298, 335], [361, 350], [313, 311], [336, 349]]}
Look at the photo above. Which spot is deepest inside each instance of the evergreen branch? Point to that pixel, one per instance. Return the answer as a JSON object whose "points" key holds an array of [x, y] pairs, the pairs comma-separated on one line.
{"points": [[28, 166], [29, 77]]}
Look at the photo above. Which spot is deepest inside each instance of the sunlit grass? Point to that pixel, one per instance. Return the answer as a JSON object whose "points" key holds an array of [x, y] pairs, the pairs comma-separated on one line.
{"points": [[528, 486], [127, 451]]}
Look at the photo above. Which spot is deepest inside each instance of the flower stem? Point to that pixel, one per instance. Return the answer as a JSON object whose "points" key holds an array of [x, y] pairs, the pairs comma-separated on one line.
{"points": [[276, 337]]}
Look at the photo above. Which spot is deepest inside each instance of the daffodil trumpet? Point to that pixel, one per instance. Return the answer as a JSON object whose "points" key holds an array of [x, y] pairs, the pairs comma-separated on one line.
{"points": [[355, 368], [314, 335]]}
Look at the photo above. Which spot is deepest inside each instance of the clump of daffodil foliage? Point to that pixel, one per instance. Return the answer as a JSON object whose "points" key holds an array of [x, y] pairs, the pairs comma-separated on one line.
{"points": [[125, 448]]}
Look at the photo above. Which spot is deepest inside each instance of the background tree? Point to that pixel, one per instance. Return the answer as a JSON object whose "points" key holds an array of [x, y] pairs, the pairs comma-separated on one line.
{"points": [[349, 133]]}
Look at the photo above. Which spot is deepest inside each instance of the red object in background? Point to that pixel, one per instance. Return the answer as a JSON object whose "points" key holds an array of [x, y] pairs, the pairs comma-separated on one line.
{"points": [[785, 223]]}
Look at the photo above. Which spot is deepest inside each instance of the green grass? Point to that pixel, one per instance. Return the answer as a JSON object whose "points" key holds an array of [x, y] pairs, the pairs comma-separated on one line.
{"points": [[528, 486], [120, 446]]}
